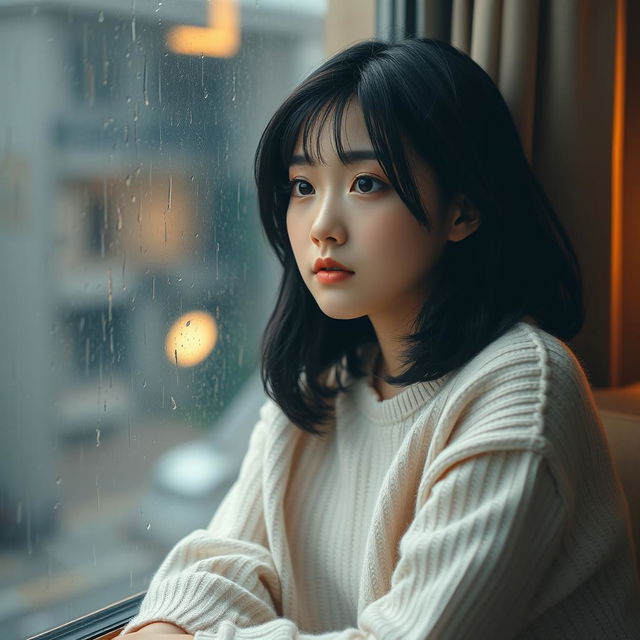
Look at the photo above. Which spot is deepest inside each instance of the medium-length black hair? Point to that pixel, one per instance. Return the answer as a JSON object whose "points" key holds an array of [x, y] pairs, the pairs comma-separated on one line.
{"points": [[518, 262]]}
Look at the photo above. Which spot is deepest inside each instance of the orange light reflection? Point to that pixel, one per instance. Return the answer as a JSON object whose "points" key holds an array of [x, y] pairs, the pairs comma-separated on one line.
{"points": [[221, 39], [617, 157]]}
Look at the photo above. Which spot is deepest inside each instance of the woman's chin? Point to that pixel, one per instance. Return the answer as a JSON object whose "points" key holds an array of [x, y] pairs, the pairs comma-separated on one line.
{"points": [[340, 313]]}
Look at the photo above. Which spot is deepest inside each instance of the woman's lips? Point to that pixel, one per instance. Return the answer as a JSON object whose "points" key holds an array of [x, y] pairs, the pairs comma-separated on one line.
{"points": [[328, 263], [333, 277]]}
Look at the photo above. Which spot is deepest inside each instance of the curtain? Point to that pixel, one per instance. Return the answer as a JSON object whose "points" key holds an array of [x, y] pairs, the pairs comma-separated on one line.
{"points": [[554, 63]]}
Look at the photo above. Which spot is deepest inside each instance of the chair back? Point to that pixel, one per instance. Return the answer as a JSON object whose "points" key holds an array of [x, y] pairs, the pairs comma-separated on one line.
{"points": [[620, 413]]}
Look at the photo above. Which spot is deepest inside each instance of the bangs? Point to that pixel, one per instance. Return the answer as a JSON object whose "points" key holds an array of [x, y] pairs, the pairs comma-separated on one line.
{"points": [[309, 117]]}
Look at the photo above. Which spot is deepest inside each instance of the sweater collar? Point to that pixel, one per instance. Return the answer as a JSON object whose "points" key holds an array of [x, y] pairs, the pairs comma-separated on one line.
{"points": [[392, 410]]}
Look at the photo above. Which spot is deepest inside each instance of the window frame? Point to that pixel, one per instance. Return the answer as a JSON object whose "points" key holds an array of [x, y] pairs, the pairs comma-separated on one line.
{"points": [[99, 625]]}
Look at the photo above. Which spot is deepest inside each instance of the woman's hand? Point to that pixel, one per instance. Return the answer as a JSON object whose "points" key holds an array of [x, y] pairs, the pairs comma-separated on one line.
{"points": [[159, 631]]}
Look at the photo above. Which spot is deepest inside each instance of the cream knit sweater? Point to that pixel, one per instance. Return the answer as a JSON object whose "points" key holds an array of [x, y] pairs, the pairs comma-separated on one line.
{"points": [[482, 505]]}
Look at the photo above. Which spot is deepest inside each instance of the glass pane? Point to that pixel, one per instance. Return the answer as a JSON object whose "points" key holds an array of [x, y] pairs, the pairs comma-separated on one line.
{"points": [[136, 280]]}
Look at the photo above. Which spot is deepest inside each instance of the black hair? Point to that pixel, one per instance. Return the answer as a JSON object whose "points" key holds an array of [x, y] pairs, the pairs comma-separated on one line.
{"points": [[518, 262]]}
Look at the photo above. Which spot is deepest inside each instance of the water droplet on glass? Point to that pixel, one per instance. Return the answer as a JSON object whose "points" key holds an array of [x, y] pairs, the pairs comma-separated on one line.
{"points": [[58, 480], [173, 403], [148, 526], [101, 16], [110, 295], [144, 84], [98, 437], [56, 506]]}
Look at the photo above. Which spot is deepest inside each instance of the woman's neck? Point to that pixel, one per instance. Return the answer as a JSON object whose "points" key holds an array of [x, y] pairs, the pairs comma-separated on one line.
{"points": [[382, 388]]}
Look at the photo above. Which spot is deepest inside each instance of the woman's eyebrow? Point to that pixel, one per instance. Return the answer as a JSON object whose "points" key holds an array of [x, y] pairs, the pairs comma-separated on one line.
{"points": [[349, 156]]}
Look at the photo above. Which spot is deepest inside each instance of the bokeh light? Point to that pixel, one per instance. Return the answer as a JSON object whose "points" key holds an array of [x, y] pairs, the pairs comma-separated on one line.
{"points": [[191, 338]]}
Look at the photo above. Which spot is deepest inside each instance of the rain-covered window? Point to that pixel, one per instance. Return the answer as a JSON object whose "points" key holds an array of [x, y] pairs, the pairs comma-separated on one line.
{"points": [[136, 280]]}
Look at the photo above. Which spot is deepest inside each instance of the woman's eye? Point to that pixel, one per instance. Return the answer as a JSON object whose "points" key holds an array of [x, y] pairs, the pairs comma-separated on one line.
{"points": [[301, 187], [368, 184]]}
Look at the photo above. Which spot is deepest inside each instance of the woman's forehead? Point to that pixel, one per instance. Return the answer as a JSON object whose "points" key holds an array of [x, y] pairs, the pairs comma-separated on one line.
{"points": [[317, 138]]}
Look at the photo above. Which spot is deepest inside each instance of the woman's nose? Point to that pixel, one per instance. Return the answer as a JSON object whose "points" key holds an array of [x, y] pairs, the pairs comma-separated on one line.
{"points": [[328, 224]]}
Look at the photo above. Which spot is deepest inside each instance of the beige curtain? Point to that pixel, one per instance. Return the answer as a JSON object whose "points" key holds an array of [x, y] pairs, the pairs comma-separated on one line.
{"points": [[554, 62]]}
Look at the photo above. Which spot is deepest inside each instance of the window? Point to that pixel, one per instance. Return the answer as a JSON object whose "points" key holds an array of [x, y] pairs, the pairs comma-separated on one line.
{"points": [[136, 280]]}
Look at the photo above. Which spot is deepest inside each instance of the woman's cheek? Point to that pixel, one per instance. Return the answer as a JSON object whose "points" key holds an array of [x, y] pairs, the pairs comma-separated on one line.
{"points": [[296, 236], [383, 245]]}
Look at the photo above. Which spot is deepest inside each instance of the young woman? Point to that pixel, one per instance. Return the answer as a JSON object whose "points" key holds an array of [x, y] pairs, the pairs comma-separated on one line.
{"points": [[430, 463]]}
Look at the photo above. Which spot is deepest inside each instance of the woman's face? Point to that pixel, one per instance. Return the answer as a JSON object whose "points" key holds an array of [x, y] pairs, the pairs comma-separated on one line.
{"points": [[351, 213]]}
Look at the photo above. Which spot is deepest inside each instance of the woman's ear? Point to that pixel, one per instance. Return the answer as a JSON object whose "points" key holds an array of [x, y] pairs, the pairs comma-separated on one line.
{"points": [[463, 219]]}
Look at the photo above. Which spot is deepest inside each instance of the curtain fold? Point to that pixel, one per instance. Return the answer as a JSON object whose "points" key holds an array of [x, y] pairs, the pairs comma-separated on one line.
{"points": [[485, 35], [502, 37], [518, 65], [461, 21]]}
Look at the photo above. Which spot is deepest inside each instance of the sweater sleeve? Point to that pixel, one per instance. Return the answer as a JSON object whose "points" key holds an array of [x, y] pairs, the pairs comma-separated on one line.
{"points": [[470, 562], [226, 570]]}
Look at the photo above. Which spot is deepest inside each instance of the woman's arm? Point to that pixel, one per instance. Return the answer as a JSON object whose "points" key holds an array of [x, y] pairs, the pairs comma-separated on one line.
{"points": [[470, 562], [224, 571]]}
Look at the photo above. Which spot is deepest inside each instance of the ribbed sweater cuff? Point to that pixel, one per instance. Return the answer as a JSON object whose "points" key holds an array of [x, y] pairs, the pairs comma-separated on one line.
{"points": [[176, 602], [182, 601]]}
